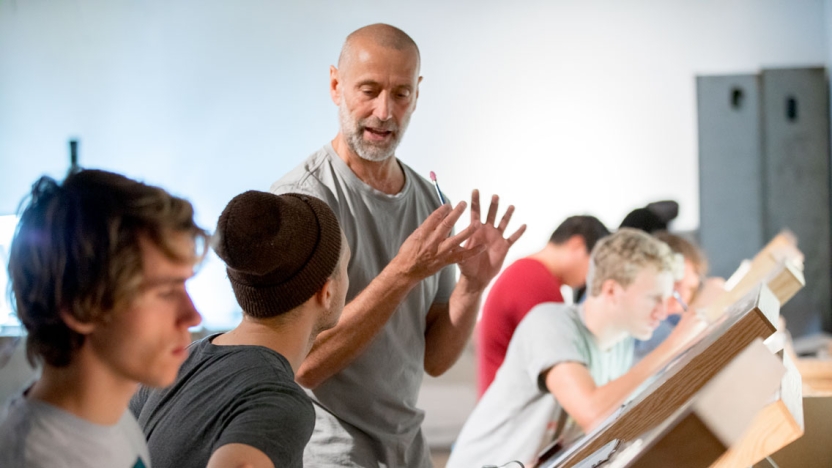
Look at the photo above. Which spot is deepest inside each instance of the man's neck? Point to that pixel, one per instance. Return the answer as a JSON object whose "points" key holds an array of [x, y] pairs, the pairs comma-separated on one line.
{"points": [[290, 338], [385, 176], [551, 257], [91, 392], [600, 320]]}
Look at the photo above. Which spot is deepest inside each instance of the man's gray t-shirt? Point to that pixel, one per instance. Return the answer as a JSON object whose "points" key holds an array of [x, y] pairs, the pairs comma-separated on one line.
{"points": [[35, 434], [366, 414], [226, 395], [517, 416]]}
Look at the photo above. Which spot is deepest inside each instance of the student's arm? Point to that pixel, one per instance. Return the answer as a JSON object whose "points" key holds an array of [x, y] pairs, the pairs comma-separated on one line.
{"points": [[575, 390], [426, 251], [239, 456], [450, 325]]}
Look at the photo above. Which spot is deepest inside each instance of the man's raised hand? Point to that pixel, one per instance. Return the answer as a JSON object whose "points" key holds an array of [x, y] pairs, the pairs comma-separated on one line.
{"points": [[429, 249], [478, 270]]}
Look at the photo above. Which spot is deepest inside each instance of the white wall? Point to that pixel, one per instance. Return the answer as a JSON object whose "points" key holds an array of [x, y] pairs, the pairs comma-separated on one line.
{"points": [[560, 107]]}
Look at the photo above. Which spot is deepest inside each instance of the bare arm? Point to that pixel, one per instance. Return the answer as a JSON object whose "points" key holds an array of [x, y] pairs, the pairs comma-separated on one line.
{"points": [[450, 325], [426, 251], [448, 328], [239, 456], [574, 388]]}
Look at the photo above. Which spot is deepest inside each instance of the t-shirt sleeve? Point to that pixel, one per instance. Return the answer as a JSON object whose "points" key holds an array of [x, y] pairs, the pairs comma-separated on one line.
{"points": [[278, 421], [300, 180], [546, 337]]}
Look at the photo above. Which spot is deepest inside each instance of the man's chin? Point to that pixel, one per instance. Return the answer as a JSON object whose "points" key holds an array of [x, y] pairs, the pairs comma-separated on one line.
{"points": [[643, 335], [373, 156]]}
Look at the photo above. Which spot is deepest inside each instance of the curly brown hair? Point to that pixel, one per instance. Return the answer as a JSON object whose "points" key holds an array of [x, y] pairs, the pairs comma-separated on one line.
{"points": [[77, 251]]}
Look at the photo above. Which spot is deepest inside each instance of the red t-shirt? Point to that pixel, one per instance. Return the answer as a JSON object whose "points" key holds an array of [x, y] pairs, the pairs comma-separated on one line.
{"points": [[523, 285]]}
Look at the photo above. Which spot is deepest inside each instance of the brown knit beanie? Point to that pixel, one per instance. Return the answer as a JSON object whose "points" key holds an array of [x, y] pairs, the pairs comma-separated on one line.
{"points": [[279, 249]]}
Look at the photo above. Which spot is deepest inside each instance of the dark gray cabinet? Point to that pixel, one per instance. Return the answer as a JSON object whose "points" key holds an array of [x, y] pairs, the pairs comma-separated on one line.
{"points": [[764, 166]]}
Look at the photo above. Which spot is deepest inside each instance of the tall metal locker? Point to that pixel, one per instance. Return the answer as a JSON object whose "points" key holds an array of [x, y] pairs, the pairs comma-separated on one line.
{"points": [[730, 170], [796, 160], [764, 166]]}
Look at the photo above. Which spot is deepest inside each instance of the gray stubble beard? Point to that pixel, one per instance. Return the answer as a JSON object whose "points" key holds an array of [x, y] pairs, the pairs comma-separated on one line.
{"points": [[353, 135]]}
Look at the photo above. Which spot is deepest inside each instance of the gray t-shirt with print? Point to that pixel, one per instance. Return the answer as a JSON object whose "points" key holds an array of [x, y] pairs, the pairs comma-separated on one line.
{"points": [[517, 416], [366, 414], [35, 434]]}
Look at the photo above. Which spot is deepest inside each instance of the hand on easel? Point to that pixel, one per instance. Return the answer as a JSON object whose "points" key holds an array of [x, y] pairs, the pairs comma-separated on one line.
{"points": [[692, 323], [711, 289]]}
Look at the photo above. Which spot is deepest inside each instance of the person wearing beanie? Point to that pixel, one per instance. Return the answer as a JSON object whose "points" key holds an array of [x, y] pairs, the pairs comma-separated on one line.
{"points": [[235, 401]]}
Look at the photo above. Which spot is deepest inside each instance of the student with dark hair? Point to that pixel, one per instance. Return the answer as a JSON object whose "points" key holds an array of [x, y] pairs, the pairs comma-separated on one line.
{"points": [[98, 269], [531, 281], [235, 402]]}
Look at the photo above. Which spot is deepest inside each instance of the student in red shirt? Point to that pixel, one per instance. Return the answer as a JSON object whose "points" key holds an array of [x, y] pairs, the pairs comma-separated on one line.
{"points": [[531, 281]]}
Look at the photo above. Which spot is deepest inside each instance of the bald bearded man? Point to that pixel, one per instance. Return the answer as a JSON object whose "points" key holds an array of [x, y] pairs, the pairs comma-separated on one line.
{"points": [[406, 314]]}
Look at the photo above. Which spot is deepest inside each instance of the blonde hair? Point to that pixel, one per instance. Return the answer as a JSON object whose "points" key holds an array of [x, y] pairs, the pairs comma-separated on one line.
{"points": [[621, 256]]}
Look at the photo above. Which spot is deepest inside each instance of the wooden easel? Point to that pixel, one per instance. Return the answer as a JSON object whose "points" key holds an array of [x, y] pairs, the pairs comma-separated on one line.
{"points": [[748, 319], [702, 429], [749, 310]]}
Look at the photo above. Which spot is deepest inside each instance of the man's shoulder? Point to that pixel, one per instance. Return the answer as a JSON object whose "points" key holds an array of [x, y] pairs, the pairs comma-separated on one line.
{"points": [[523, 268], [307, 177], [551, 315], [252, 363]]}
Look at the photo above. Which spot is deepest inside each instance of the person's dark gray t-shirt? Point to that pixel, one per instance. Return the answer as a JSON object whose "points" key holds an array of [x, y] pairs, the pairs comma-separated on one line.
{"points": [[226, 395]]}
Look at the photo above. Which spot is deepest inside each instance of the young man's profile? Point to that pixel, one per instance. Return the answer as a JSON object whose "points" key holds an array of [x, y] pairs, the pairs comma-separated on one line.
{"points": [[98, 269]]}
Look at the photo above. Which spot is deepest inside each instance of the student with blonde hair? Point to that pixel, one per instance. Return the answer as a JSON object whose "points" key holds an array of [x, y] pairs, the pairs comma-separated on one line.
{"points": [[569, 367]]}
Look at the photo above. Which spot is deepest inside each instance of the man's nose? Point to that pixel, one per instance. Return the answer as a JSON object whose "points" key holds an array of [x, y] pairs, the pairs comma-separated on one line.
{"points": [[662, 308], [383, 106], [188, 315]]}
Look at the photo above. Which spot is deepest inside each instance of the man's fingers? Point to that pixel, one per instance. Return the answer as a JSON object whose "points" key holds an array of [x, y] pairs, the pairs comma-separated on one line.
{"points": [[475, 206], [519, 232], [506, 218], [457, 239], [441, 230], [460, 254], [492, 210], [433, 220]]}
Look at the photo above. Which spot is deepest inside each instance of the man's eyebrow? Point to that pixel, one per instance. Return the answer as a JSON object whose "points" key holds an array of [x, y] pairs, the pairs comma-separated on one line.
{"points": [[164, 281], [367, 82], [371, 82]]}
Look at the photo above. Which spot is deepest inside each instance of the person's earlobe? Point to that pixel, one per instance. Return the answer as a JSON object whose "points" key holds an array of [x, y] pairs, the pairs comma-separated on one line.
{"points": [[82, 328], [334, 85]]}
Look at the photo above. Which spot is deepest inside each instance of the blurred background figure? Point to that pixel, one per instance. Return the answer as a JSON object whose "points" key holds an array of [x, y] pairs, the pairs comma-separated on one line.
{"points": [[693, 288], [531, 281]]}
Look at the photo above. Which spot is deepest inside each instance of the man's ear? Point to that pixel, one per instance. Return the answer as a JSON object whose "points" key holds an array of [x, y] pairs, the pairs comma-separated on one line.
{"points": [[416, 98], [577, 244], [324, 295], [334, 83], [610, 289], [82, 328]]}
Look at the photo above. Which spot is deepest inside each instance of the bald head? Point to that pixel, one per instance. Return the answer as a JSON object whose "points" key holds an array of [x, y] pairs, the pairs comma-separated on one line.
{"points": [[379, 34]]}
